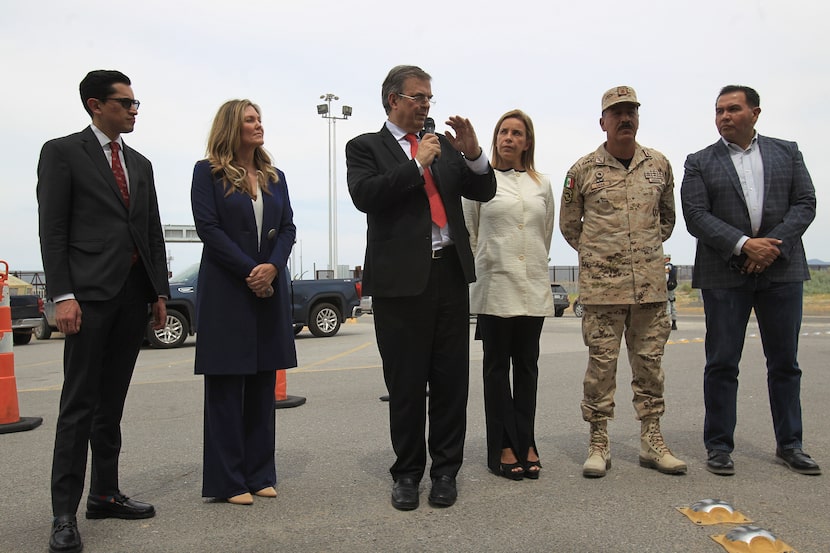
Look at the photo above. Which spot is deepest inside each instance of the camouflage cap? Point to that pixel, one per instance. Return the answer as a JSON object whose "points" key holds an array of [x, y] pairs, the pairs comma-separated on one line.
{"points": [[618, 95]]}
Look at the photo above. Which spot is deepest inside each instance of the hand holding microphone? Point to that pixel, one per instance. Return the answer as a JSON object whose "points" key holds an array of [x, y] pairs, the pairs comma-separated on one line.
{"points": [[429, 149]]}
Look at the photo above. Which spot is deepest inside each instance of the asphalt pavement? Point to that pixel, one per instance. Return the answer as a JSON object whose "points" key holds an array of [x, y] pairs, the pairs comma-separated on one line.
{"points": [[333, 456]]}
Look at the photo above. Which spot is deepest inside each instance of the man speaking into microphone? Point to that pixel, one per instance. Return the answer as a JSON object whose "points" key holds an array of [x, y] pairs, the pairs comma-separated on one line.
{"points": [[418, 264]]}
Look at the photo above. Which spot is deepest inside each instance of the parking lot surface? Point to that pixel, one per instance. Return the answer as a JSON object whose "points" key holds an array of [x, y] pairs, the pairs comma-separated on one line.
{"points": [[333, 455]]}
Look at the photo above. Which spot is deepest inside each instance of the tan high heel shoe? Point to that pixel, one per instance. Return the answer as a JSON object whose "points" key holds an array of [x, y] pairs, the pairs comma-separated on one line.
{"points": [[241, 499], [267, 492]]}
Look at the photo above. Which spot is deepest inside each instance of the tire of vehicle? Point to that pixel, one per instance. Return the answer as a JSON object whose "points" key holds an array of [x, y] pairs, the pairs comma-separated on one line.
{"points": [[174, 333], [579, 310], [297, 329], [44, 331], [324, 320], [21, 338], [559, 312]]}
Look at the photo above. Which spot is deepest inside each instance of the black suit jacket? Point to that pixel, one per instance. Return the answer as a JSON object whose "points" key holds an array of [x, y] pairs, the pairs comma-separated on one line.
{"points": [[717, 215], [87, 233], [389, 188]]}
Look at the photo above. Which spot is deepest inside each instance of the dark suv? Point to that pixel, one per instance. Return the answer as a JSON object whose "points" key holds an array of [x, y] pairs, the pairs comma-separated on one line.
{"points": [[560, 299]]}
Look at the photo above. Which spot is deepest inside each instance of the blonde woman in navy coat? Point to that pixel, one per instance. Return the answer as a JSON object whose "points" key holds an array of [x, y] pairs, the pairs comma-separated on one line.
{"points": [[244, 218]]}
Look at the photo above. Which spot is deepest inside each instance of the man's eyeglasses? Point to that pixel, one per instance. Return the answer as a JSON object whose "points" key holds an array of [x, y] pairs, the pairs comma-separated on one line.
{"points": [[126, 103], [418, 98]]}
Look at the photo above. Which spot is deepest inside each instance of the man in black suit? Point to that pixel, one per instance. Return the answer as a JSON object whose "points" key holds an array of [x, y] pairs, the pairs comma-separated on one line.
{"points": [[418, 264], [103, 254], [748, 199]]}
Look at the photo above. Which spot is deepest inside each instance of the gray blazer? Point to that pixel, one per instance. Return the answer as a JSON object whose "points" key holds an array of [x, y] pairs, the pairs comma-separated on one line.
{"points": [[716, 212]]}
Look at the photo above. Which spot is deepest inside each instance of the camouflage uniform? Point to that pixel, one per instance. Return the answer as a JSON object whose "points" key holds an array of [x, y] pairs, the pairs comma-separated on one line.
{"points": [[617, 219]]}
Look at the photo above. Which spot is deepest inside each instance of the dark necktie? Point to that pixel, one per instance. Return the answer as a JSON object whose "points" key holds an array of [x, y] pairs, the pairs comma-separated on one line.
{"points": [[436, 206], [118, 172], [121, 179]]}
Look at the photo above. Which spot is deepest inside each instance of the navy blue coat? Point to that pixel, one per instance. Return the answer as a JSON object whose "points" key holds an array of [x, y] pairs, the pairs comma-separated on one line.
{"points": [[240, 333]]}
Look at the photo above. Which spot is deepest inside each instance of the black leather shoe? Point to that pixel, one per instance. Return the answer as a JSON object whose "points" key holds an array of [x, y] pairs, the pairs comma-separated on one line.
{"points": [[117, 506], [65, 537], [797, 461], [443, 492], [720, 462], [405, 494]]}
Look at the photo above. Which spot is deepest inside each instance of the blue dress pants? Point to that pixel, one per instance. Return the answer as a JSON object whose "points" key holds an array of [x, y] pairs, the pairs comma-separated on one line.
{"points": [[778, 310]]}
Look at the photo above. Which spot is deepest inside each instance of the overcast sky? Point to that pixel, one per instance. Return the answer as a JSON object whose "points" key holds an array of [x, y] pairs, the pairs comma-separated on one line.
{"points": [[551, 59]]}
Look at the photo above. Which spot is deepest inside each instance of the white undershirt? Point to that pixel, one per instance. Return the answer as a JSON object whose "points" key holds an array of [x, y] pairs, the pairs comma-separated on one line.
{"points": [[257, 203]]}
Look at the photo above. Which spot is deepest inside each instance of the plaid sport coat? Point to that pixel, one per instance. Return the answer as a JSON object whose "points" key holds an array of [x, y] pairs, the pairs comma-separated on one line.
{"points": [[716, 212]]}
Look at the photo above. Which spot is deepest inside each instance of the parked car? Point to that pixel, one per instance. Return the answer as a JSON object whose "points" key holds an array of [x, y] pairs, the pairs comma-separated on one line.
{"points": [[560, 299], [181, 310], [579, 310], [321, 305], [27, 313], [366, 304], [48, 324]]}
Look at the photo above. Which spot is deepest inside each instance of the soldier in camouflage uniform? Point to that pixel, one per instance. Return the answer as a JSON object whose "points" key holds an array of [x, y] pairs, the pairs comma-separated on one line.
{"points": [[617, 210]]}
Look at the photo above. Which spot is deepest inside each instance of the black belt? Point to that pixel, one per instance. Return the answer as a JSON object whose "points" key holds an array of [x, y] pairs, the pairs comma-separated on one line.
{"points": [[443, 252]]}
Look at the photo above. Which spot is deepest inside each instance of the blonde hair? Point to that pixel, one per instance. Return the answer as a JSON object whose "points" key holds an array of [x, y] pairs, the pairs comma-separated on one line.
{"points": [[223, 144], [527, 155]]}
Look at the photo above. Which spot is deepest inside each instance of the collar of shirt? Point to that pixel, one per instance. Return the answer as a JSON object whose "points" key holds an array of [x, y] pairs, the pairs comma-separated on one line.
{"points": [[399, 134], [104, 139], [735, 148]]}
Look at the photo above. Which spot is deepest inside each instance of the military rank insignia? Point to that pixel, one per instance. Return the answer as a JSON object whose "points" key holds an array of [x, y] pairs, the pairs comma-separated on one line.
{"points": [[654, 176]]}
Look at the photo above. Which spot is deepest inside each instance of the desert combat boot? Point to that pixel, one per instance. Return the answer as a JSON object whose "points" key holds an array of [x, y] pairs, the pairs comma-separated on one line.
{"points": [[599, 452], [654, 453]]}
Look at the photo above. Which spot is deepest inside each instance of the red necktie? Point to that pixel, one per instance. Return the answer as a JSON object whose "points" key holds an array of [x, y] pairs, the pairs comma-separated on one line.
{"points": [[118, 172], [436, 206], [121, 179]]}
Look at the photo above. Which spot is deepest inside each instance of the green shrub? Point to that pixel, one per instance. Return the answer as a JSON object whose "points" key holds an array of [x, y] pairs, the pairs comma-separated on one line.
{"points": [[819, 283]]}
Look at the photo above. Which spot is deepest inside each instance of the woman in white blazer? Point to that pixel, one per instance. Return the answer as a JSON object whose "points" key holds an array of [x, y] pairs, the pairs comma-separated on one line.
{"points": [[510, 236]]}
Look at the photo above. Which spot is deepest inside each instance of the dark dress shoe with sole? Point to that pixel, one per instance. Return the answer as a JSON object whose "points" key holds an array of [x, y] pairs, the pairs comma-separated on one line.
{"points": [[720, 462], [443, 492], [797, 461], [65, 537], [117, 506], [405, 494]]}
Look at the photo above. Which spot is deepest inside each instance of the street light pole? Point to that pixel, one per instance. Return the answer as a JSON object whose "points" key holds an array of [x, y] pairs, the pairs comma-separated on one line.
{"points": [[324, 110]]}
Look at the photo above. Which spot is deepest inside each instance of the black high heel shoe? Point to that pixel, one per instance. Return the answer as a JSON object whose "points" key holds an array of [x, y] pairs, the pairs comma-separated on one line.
{"points": [[508, 470], [533, 474]]}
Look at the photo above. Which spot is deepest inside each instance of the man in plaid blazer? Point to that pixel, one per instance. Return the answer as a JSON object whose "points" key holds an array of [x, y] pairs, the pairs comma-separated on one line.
{"points": [[748, 199]]}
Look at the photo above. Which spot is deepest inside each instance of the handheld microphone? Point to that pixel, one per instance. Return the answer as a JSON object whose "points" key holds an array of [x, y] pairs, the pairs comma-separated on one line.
{"points": [[429, 126]]}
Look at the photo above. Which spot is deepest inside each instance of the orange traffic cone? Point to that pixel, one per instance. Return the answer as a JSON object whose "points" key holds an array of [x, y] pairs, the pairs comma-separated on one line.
{"points": [[281, 398], [10, 420]]}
